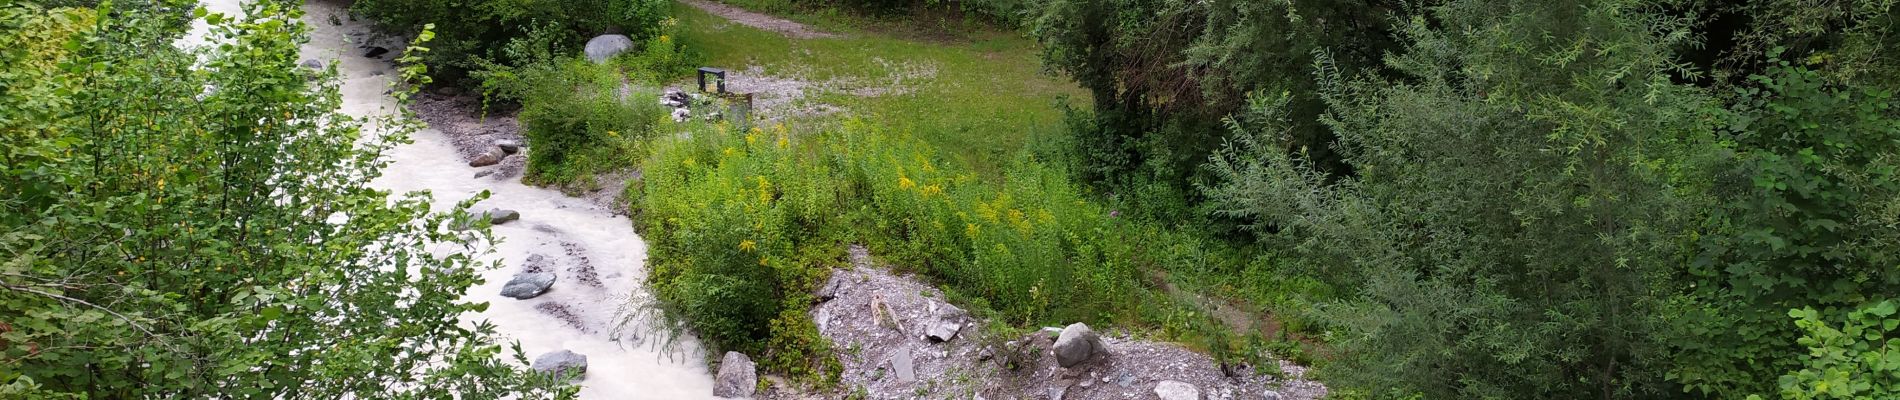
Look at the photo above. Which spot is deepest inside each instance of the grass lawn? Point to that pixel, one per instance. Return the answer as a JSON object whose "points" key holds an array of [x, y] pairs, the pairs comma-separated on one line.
{"points": [[985, 99]]}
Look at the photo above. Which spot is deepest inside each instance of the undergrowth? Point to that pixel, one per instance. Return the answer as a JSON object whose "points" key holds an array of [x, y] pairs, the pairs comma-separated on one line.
{"points": [[582, 118], [744, 225]]}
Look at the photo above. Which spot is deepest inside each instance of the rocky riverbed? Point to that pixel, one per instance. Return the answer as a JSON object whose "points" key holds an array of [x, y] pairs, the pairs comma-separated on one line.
{"points": [[898, 339]]}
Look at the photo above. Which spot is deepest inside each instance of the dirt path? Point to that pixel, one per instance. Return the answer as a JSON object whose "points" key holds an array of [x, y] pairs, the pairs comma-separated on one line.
{"points": [[756, 20]]}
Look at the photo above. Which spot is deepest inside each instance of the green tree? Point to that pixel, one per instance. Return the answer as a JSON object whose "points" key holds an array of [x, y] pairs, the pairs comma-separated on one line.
{"points": [[1163, 73], [1521, 193], [182, 225], [1548, 202]]}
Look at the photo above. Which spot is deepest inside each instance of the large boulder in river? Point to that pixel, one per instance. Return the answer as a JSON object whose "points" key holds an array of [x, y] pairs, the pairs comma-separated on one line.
{"points": [[490, 157], [501, 216], [738, 378], [528, 285], [603, 47], [1077, 344], [561, 363]]}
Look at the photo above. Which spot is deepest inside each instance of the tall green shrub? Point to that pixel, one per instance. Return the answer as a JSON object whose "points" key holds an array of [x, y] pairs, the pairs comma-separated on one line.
{"points": [[177, 227], [1519, 200]]}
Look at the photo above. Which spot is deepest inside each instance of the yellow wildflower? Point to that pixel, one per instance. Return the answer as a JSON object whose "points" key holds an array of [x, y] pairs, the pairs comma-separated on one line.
{"points": [[970, 229], [986, 212], [762, 262], [784, 141], [932, 189], [765, 190], [689, 162], [729, 151], [903, 182], [748, 245], [1016, 219]]}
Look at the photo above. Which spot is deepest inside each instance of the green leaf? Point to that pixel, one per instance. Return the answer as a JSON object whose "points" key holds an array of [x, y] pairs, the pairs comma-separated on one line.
{"points": [[1883, 310]]}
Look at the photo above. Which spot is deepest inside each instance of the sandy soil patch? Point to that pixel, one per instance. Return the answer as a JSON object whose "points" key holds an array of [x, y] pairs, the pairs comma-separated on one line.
{"points": [[756, 20]]}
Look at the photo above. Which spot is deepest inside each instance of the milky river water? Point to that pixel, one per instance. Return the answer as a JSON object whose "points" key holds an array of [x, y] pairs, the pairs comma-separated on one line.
{"points": [[598, 257]]}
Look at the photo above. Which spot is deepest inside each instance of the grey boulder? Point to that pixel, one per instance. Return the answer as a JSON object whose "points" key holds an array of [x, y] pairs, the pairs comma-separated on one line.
{"points": [[508, 146], [1177, 390], [604, 47], [949, 321], [942, 330], [903, 366], [312, 63], [562, 363], [500, 216], [1077, 344], [737, 378], [487, 158], [528, 285]]}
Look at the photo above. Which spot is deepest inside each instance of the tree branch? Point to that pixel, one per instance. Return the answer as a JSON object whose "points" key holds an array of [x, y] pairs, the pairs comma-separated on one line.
{"points": [[128, 320]]}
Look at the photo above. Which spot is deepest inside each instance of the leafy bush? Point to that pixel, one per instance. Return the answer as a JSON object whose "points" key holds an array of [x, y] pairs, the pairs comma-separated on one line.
{"points": [[725, 214], [582, 118], [472, 32], [1807, 221], [1857, 360], [162, 240], [579, 121]]}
